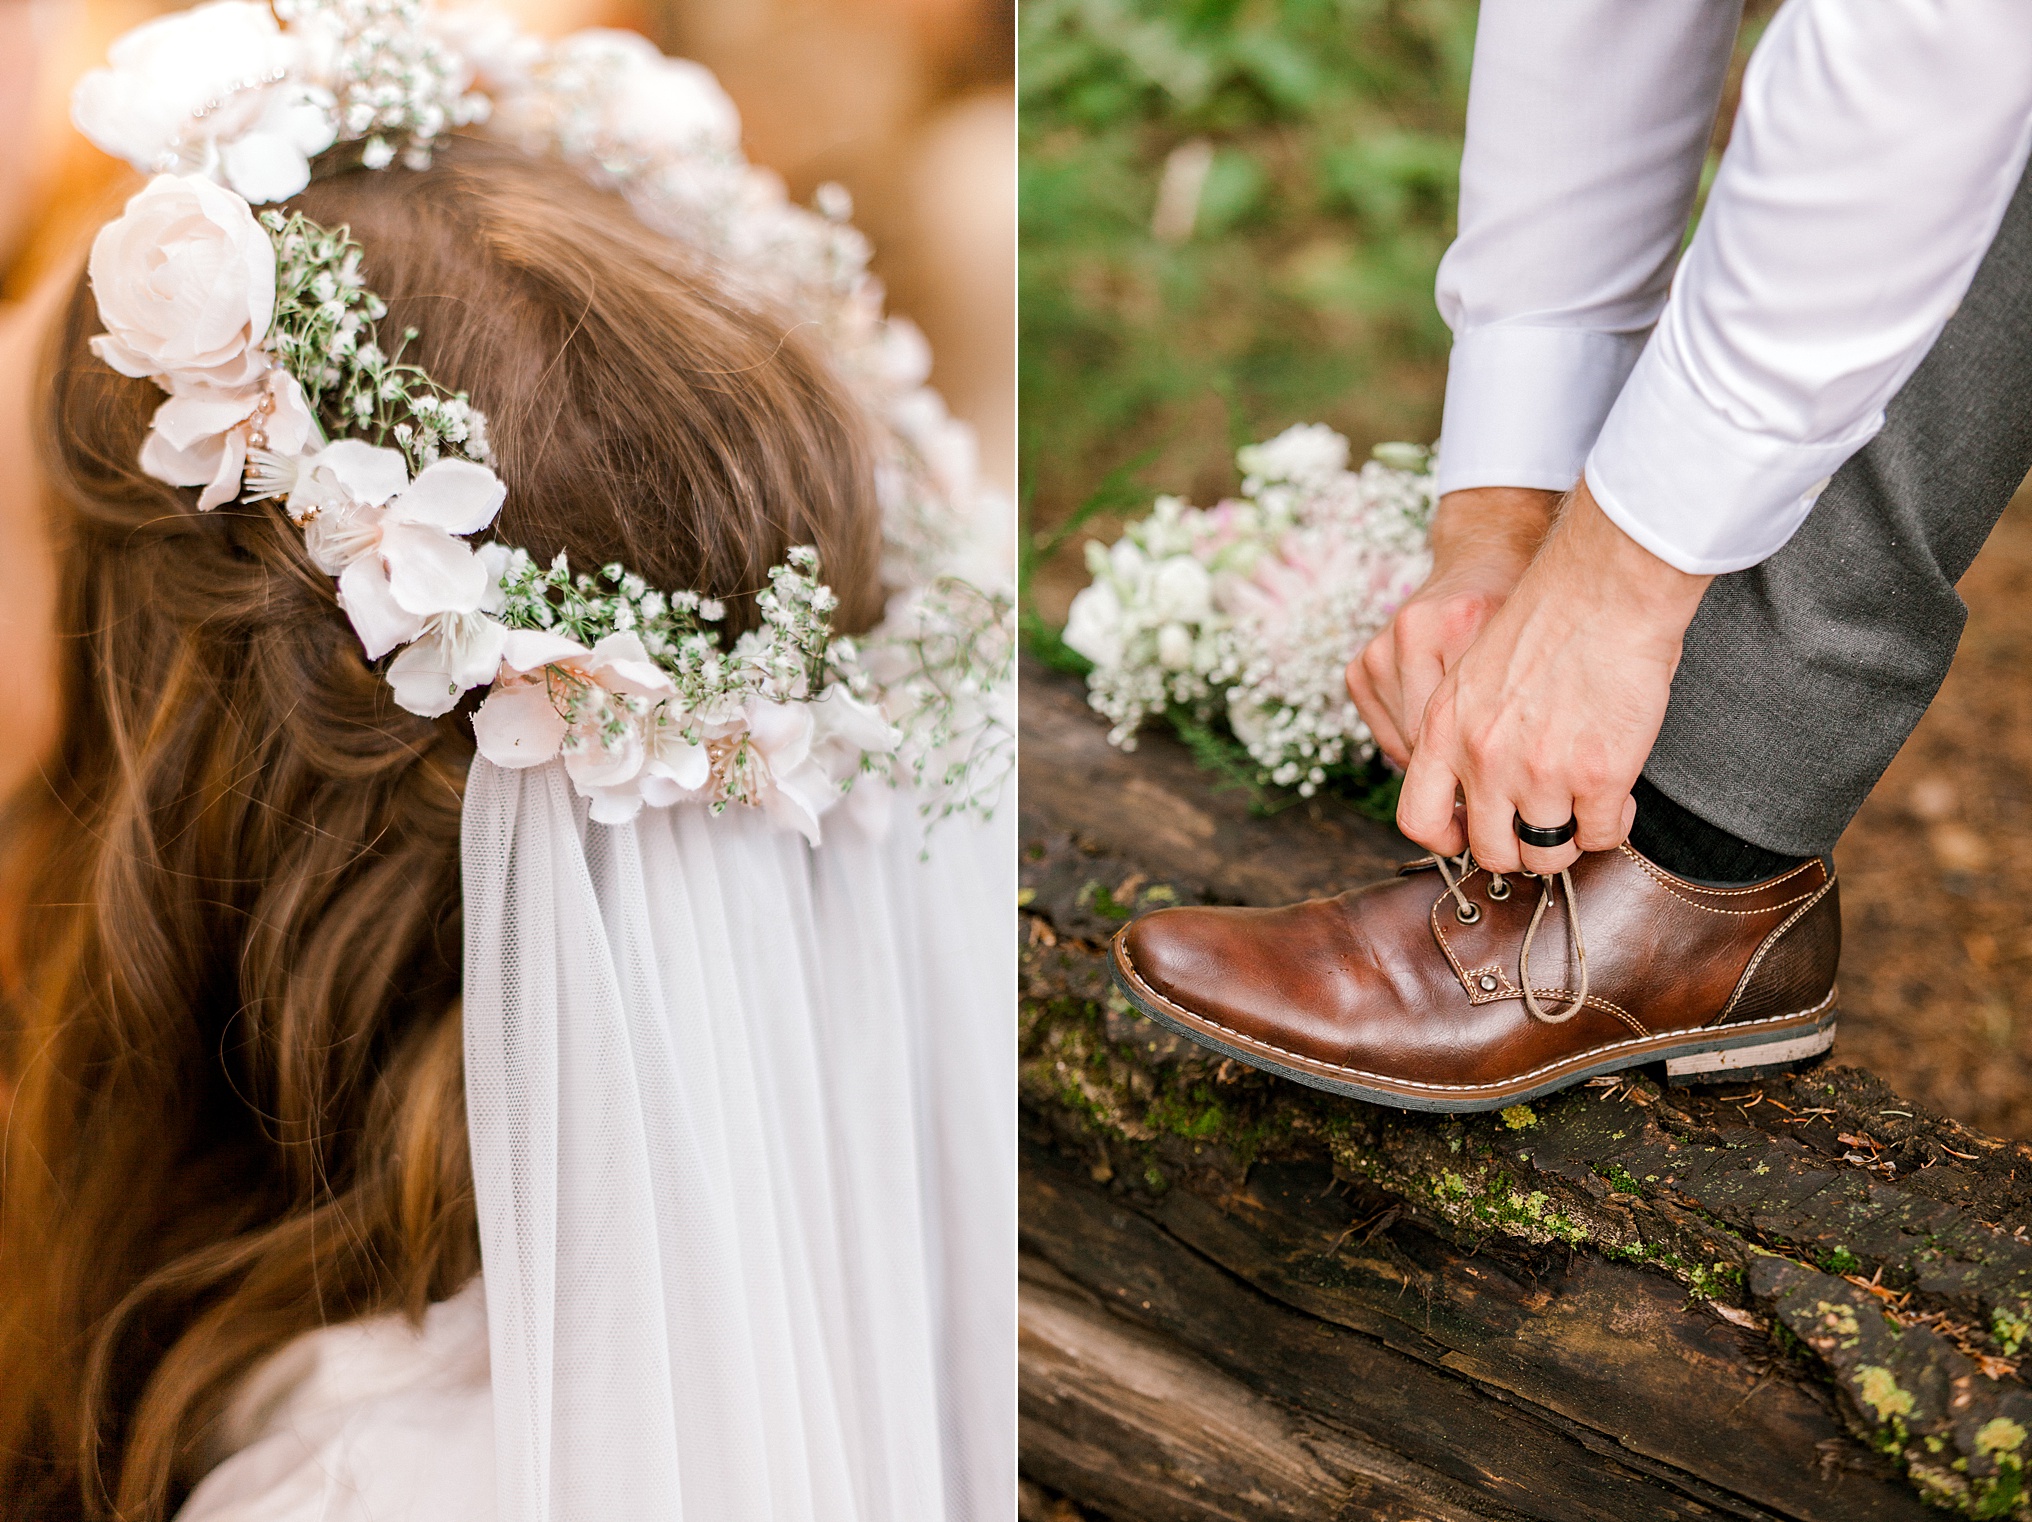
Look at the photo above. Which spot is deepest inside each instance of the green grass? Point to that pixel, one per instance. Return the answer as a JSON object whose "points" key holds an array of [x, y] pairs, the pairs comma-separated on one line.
{"points": [[1305, 290]]}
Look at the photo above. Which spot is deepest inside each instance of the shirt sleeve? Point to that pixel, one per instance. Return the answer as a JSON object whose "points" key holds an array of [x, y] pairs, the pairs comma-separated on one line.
{"points": [[1874, 154], [1588, 121]]}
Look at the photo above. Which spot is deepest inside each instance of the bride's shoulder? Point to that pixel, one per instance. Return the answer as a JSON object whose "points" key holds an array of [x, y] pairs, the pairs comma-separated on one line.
{"points": [[371, 1419]]}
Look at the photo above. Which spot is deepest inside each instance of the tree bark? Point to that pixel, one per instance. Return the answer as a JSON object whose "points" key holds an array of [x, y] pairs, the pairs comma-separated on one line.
{"points": [[1243, 1298]]}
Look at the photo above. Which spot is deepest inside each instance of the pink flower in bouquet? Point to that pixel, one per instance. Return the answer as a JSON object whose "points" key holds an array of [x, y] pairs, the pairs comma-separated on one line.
{"points": [[1221, 526], [1311, 577]]}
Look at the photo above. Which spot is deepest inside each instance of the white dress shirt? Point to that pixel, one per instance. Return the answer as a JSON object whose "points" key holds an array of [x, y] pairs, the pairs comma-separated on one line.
{"points": [[1876, 147]]}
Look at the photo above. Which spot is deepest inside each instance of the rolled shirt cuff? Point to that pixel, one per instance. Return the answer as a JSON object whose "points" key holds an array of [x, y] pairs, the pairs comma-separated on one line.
{"points": [[1524, 404], [1697, 489]]}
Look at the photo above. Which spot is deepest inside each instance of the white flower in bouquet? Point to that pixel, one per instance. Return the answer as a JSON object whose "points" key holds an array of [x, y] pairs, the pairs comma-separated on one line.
{"points": [[1251, 610], [1093, 625], [1150, 622], [1300, 616], [1301, 455]]}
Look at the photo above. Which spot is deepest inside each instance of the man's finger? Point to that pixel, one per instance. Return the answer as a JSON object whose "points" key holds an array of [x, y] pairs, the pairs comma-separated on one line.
{"points": [[1604, 820], [1548, 809], [1419, 673], [1375, 711], [1425, 811], [1490, 835]]}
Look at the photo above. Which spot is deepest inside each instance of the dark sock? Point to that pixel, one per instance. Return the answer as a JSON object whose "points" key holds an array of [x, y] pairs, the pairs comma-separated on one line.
{"points": [[1681, 841]]}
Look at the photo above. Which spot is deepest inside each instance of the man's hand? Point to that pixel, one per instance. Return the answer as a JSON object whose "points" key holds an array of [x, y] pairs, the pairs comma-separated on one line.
{"points": [[1552, 711], [1482, 539]]}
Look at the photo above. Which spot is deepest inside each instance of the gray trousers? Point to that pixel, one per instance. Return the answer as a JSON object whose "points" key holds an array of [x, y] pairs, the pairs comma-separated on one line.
{"points": [[1802, 676]]}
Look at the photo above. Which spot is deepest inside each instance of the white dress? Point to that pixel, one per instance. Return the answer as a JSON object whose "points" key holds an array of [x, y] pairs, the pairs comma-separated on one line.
{"points": [[376, 1419], [825, 1073]]}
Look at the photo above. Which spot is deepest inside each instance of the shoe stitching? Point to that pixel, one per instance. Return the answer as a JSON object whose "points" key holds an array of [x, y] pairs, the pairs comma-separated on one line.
{"points": [[1740, 914], [1122, 950], [1594, 1002], [1440, 935], [1659, 872], [1743, 983], [1508, 989], [1673, 887]]}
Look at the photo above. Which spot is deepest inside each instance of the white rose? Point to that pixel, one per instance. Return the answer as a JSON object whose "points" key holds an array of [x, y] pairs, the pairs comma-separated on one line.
{"points": [[1174, 647], [1307, 452], [1125, 560], [211, 90], [1093, 625], [1182, 590], [185, 280]]}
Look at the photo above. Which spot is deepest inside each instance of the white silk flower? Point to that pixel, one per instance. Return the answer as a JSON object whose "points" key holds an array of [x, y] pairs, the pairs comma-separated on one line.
{"points": [[809, 748], [392, 542], [457, 651], [200, 436], [212, 89], [524, 722]]}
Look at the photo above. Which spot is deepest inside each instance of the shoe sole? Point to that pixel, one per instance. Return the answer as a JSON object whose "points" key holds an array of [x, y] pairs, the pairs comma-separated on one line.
{"points": [[1710, 1054]]}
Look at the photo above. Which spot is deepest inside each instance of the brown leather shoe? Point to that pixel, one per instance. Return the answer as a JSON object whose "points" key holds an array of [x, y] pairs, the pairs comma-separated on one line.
{"points": [[1411, 992]]}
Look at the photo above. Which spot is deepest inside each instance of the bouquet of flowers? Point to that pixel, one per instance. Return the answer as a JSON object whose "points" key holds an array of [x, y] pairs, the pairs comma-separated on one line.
{"points": [[1243, 616]]}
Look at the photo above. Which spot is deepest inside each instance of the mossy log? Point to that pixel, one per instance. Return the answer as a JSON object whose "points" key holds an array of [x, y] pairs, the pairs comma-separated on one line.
{"points": [[1246, 1299]]}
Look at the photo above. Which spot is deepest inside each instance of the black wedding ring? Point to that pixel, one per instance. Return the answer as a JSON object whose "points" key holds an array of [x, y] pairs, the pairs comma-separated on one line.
{"points": [[1545, 840]]}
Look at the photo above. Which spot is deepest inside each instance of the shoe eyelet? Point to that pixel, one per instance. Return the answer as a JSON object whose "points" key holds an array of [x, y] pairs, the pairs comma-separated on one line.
{"points": [[1468, 915], [1499, 888]]}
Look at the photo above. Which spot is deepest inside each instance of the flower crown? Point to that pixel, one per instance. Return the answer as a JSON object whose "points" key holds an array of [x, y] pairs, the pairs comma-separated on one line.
{"points": [[263, 332]]}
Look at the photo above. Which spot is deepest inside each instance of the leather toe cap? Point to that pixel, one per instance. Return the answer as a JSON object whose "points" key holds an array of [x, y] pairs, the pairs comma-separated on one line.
{"points": [[1181, 954]]}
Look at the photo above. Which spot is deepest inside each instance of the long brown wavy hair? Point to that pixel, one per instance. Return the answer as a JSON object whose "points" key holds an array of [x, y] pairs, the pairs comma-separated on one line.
{"points": [[231, 929]]}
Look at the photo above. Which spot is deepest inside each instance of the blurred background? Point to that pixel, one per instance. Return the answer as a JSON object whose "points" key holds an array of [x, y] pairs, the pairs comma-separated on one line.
{"points": [[908, 103], [1231, 215]]}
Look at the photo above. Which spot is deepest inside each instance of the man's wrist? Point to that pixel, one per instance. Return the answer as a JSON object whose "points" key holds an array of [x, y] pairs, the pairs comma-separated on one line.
{"points": [[1617, 573], [1494, 525]]}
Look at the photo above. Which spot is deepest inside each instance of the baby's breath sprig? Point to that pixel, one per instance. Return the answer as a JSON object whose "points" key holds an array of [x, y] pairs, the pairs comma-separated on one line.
{"points": [[793, 655], [396, 85], [324, 333], [797, 611], [588, 608], [957, 646]]}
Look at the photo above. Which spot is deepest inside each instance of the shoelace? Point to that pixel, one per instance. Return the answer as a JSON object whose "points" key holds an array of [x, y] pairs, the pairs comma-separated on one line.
{"points": [[1469, 912]]}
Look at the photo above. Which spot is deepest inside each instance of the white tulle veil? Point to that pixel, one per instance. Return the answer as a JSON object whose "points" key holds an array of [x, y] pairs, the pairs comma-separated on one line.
{"points": [[743, 1137]]}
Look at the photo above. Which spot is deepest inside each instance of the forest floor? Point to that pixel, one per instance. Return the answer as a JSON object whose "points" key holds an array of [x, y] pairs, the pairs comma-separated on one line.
{"points": [[1936, 970]]}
